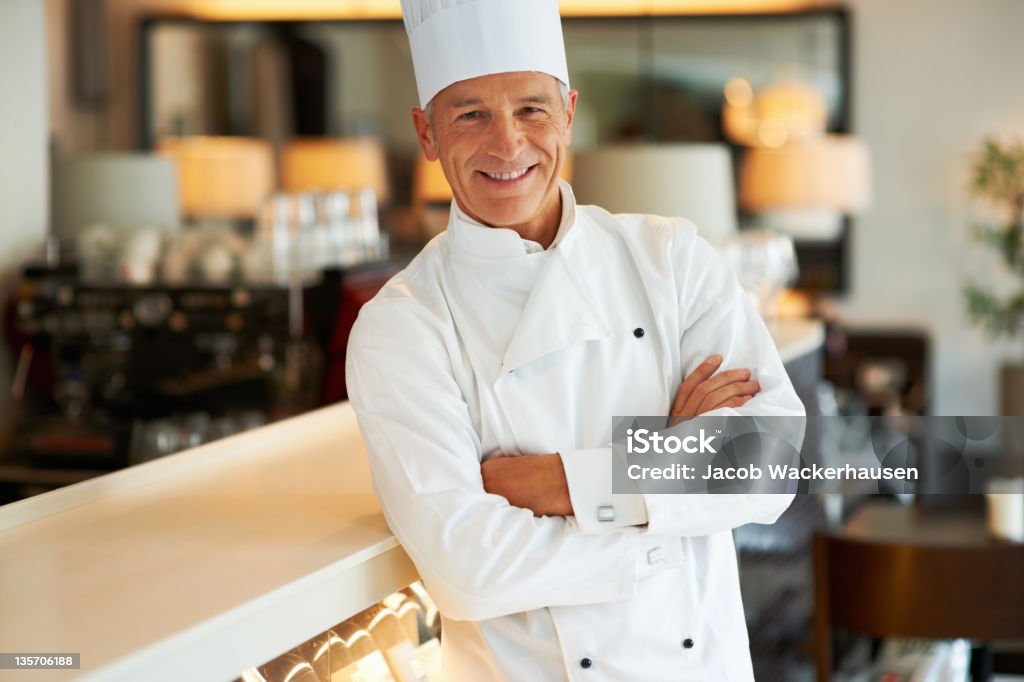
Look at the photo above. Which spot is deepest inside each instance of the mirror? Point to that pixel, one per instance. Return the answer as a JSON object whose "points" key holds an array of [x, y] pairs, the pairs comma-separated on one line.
{"points": [[653, 79]]}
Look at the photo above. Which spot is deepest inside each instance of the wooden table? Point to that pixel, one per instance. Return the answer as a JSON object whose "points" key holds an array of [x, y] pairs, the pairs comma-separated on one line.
{"points": [[885, 521], [896, 571]]}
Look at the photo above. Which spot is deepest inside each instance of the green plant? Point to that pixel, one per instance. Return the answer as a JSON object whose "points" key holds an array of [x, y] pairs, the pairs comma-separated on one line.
{"points": [[998, 175]]}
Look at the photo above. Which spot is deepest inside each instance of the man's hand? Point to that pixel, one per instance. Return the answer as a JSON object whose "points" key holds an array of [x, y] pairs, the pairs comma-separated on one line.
{"points": [[701, 392], [534, 482]]}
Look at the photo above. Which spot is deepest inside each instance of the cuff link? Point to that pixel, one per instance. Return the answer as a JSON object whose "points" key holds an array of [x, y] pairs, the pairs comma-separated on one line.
{"points": [[606, 514], [655, 556]]}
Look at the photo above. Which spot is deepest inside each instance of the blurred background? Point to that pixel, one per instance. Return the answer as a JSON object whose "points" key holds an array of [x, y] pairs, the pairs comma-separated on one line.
{"points": [[196, 196]]}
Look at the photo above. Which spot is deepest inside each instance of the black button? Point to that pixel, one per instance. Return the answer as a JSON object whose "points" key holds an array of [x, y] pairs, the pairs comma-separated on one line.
{"points": [[638, 332], [687, 643], [586, 663]]}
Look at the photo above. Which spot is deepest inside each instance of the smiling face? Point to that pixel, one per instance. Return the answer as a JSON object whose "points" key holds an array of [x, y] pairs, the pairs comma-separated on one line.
{"points": [[501, 140]]}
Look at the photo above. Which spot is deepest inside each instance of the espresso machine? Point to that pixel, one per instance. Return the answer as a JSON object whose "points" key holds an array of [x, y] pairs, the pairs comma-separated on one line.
{"points": [[98, 365]]}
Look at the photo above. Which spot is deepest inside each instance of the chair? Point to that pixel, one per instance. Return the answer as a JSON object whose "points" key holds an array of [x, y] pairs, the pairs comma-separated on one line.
{"points": [[915, 590]]}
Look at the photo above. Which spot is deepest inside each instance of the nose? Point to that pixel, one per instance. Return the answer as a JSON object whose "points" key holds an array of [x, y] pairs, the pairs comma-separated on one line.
{"points": [[505, 140]]}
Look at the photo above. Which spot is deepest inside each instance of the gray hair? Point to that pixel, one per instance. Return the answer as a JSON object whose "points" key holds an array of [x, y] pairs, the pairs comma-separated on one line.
{"points": [[563, 90]]}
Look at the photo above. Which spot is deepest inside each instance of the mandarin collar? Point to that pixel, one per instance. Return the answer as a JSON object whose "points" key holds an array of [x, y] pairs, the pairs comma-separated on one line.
{"points": [[472, 237]]}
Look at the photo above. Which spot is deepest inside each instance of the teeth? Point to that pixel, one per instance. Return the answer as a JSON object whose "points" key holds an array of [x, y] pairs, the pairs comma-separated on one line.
{"points": [[507, 176]]}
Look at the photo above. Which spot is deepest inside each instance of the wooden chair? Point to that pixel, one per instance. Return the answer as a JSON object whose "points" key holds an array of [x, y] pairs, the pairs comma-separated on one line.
{"points": [[899, 589]]}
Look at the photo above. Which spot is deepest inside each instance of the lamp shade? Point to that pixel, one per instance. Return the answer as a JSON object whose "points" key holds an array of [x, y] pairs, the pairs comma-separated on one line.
{"points": [[693, 181], [120, 191], [221, 177], [830, 172], [429, 185], [335, 163]]}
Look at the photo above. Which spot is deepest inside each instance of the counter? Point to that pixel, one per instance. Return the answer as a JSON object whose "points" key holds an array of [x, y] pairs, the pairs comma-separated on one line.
{"points": [[200, 564], [197, 565]]}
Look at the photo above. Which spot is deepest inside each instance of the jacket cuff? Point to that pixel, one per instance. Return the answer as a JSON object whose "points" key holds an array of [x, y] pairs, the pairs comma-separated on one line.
{"points": [[589, 476]]}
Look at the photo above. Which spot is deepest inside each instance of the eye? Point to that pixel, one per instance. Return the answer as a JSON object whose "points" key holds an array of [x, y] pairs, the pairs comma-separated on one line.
{"points": [[532, 110], [470, 116]]}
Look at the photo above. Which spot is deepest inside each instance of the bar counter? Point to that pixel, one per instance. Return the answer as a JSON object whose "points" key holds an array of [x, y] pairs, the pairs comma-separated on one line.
{"points": [[200, 564], [197, 565]]}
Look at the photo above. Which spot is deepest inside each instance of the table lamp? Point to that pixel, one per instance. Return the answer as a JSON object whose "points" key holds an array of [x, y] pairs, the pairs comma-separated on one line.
{"points": [[221, 177], [120, 191], [804, 188], [335, 163], [693, 181]]}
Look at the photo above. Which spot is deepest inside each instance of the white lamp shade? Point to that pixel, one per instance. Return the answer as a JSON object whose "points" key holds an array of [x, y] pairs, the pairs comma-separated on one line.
{"points": [[335, 163], [221, 177], [830, 172], [121, 191], [692, 181]]}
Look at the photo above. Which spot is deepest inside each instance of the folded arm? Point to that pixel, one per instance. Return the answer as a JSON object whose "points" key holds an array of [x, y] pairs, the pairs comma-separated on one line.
{"points": [[479, 556], [717, 317]]}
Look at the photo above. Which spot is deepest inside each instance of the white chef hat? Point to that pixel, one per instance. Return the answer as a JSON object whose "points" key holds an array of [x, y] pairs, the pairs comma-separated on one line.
{"points": [[454, 40]]}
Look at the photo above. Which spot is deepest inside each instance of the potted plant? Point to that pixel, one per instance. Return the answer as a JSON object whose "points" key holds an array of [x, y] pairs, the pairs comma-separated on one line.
{"points": [[998, 176]]}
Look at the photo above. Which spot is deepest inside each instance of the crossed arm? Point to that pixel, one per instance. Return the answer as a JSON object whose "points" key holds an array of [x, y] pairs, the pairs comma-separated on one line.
{"points": [[538, 482]]}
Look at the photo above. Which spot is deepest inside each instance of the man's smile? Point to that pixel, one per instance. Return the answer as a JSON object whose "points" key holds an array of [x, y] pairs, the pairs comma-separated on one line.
{"points": [[509, 177]]}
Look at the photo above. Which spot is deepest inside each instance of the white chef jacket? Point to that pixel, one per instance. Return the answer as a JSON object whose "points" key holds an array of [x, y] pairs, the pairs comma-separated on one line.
{"points": [[487, 344]]}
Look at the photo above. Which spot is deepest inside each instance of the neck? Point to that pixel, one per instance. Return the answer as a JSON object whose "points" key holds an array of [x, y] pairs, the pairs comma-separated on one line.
{"points": [[542, 228]]}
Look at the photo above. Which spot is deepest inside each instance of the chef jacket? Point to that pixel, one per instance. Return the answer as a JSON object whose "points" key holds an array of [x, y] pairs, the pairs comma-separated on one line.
{"points": [[488, 345]]}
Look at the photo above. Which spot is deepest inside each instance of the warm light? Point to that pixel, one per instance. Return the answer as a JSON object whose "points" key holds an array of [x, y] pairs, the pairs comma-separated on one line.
{"points": [[566, 172], [773, 116], [220, 177], [832, 172], [799, 107], [716, 6], [794, 305], [738, 92], [429, 185], [772, 133], [339, 163], [391, 9]]}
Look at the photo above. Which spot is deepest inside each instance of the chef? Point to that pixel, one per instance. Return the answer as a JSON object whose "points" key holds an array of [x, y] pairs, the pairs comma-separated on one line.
{"points": [[486, 374]]}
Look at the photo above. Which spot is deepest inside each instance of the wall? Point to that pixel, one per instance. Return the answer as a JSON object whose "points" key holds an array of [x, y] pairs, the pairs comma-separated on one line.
{"points": [[23, 167], [931, 79], [112, 127]]}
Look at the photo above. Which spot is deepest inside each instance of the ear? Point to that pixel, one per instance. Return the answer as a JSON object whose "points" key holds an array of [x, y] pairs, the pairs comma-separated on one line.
{"points": [[570, 116], [424, 133]]}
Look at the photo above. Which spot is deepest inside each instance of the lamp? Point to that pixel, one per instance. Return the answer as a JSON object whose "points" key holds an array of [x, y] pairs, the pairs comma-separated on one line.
{"points": [[221, 177], [121, 191], [429, 185], [783, 112], [335, 163], [689, 180], [803, 189]]}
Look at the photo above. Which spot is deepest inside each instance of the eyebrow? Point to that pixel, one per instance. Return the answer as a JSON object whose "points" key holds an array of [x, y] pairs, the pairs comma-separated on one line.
{"points": [[476, 101], [466, 102]]}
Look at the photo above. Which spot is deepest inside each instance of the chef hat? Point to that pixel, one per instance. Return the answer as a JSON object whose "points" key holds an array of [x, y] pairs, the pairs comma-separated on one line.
{"points": [[454, 40]]}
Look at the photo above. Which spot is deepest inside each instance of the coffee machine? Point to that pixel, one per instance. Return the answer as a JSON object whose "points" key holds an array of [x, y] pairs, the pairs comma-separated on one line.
{"points": [[98, 365]]}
